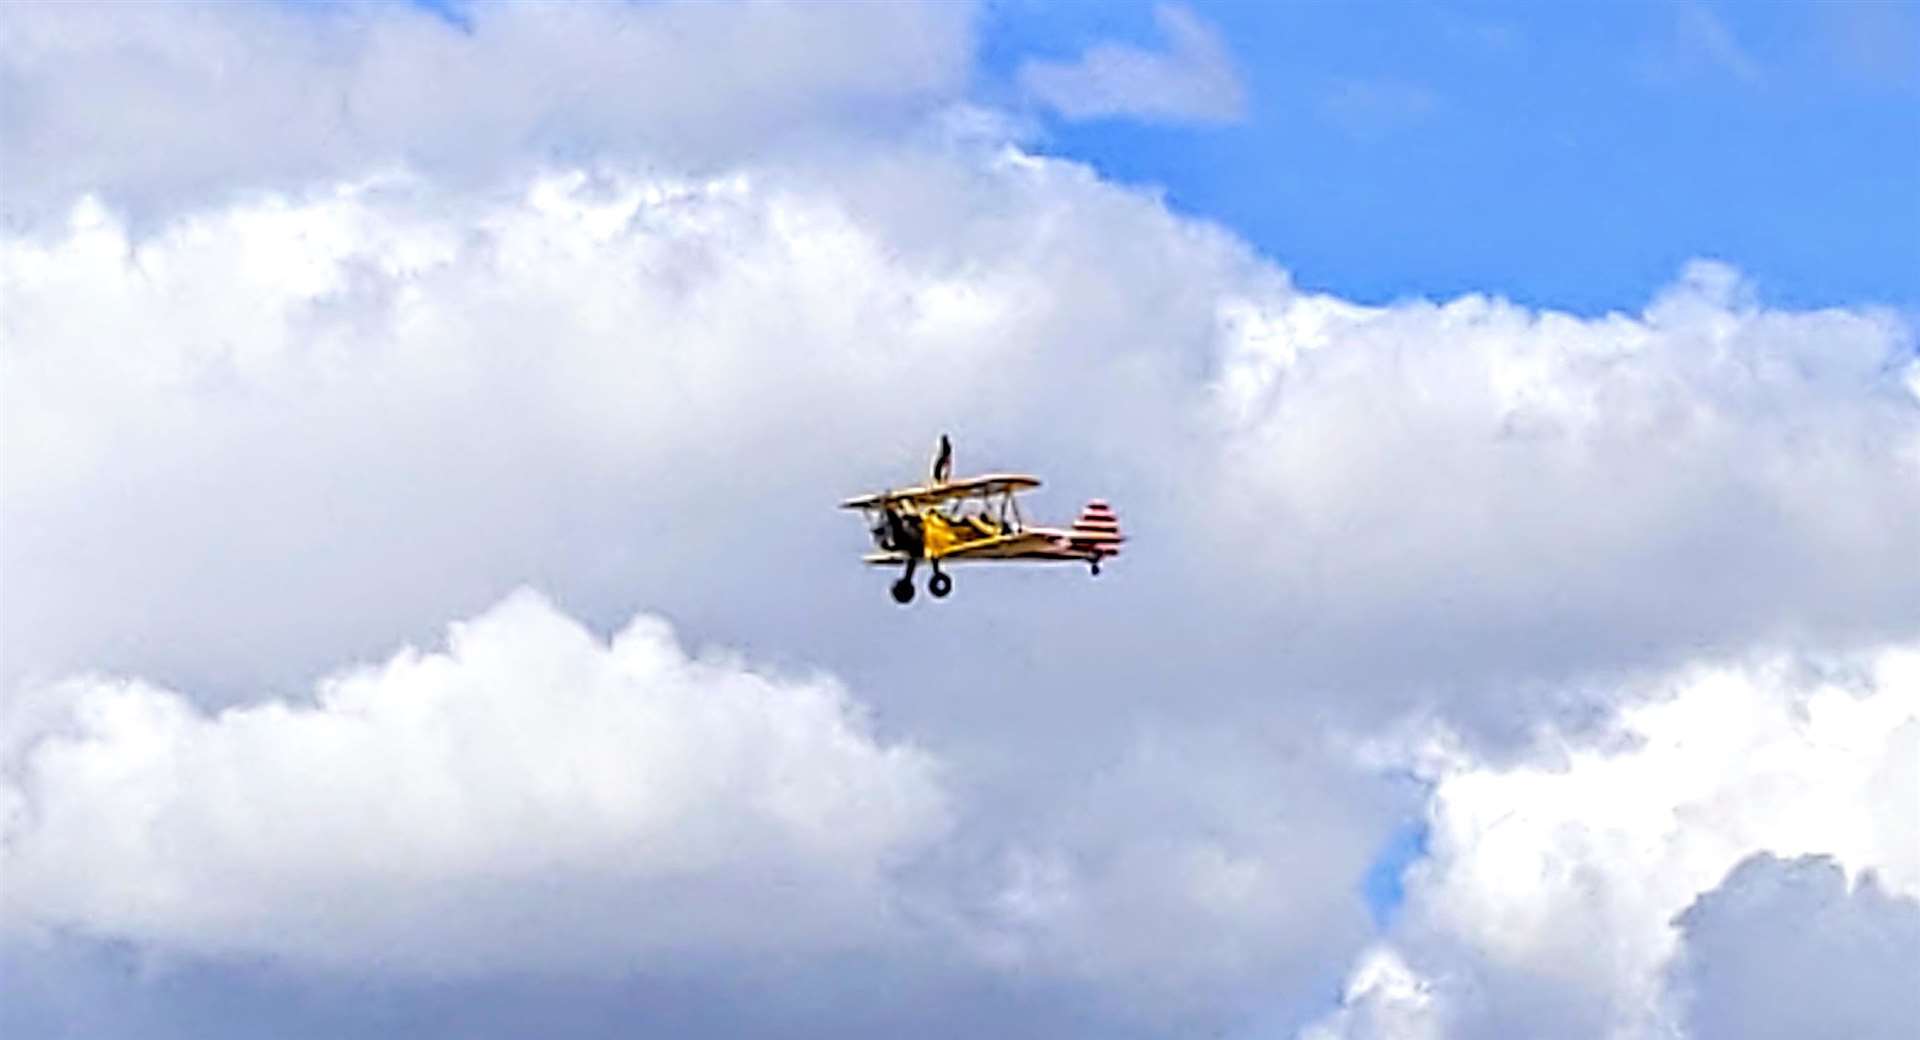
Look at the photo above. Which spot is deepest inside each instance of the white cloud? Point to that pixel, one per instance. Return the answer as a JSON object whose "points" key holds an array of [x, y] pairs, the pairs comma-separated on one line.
{"points": [[338, 385], [613, 386], [1384, 999], [221, 435], [1200, 878], [1193, 81], [1785, 948], [165, 105], [1549, 900], [527, 796], [1509, 496], [596, 387]]}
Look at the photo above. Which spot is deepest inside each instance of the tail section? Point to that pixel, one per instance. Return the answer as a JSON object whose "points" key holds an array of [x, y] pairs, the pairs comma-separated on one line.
{"points": [[1097, 532]]}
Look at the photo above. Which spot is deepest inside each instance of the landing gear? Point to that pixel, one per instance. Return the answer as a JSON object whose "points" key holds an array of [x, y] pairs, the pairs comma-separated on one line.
{"points": [[1095, 566], [903, 589], [938, 585]]}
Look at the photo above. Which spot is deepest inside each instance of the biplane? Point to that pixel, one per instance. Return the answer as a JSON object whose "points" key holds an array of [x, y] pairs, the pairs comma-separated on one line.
{"points": [[974, 519]]}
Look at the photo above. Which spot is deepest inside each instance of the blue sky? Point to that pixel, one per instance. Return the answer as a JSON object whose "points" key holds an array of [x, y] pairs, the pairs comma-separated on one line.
{"points": [[1384, 886], [1567, 155]]}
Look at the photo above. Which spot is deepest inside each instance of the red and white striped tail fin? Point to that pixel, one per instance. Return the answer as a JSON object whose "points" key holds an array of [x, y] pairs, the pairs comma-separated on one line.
{"points": [[1098, 530]]}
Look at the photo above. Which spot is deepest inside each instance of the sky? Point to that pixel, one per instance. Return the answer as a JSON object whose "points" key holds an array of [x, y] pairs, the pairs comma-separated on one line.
{"points": [[424, 613], [1564, 155]]}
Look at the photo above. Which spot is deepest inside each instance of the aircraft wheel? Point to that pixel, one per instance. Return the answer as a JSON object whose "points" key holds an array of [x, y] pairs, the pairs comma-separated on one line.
{"points": [[940, 585], [903, 591]]}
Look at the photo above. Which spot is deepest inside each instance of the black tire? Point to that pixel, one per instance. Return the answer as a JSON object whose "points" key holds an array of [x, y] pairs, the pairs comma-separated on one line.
{"points": [[939, 585], [903, 591]]}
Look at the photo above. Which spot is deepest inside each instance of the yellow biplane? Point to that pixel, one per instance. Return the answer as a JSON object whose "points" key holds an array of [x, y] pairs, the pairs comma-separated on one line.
{"points": [[976, 518]]}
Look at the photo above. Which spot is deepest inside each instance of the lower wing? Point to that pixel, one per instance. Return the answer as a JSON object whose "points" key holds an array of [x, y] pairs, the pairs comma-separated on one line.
{"points": [[1025, 545], [1031, 544]]}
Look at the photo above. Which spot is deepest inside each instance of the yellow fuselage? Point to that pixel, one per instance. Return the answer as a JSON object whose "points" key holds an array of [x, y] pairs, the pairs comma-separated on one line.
{"points": [[943, 534]]}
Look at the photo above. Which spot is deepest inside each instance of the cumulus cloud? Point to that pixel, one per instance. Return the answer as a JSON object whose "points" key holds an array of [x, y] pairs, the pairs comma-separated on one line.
{"points": [[338, 385], [1504, 495], [1201, 877], [169, 105], [526, 796], [1550, 900], [1787, 948], [598, 387], [1384, 999], [1193, 81], [616, 386]]}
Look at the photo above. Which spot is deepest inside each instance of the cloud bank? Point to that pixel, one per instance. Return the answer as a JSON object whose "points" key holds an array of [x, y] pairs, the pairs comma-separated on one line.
{"points": [[1529, 509], [159, 107], [1789, 948], [525, 797], [1556, 895]]}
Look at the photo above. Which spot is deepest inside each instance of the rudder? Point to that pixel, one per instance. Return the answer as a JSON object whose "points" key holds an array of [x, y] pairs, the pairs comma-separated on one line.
{"points": [[1097, 531]]}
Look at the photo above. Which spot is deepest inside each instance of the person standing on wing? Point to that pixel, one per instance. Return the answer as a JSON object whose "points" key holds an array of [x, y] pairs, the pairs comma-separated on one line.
{"points": [[943, 461]]}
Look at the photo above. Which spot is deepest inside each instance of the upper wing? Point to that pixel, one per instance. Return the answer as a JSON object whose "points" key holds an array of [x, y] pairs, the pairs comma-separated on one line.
{"points": [[934, 494]]}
